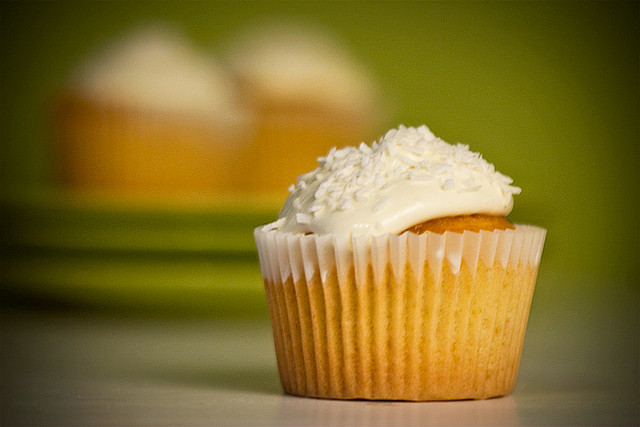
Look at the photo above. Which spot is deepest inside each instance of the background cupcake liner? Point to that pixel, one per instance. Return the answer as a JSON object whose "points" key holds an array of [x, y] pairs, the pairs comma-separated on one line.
{"points": [[409, 317], [110, 147]]}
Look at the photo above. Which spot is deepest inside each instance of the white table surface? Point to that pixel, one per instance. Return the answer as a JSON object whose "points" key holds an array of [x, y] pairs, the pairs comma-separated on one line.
{"points": [[579, 367]]}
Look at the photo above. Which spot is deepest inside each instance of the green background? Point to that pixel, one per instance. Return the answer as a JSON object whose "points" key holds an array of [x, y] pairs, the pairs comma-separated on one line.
{"points": [[548, 92]]}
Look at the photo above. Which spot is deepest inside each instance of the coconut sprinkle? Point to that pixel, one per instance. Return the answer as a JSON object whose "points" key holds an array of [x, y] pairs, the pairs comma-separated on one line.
{"points": [[303, 218]]}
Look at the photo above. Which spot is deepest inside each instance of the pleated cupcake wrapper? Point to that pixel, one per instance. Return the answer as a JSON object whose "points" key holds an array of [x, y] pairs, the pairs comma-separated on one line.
{"points": [[408, 317]]}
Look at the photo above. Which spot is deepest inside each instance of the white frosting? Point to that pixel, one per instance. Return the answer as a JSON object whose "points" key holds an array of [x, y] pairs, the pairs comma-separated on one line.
{"points": [[288, 63], [156, 68], [407, 177]]}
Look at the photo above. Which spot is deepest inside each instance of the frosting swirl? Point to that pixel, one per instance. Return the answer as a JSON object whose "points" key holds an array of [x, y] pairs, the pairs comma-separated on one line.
{"points": [[407, 177]]}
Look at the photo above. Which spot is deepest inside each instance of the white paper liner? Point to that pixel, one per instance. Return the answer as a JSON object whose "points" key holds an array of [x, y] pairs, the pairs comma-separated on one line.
{"points": [[411, 317]]}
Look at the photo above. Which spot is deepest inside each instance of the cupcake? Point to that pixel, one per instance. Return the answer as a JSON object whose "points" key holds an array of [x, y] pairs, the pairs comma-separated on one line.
{"points": [[149, 114], [308, 93], [392, 273]]}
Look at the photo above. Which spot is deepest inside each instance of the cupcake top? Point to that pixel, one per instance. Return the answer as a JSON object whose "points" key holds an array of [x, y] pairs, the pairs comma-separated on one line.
{"points": [[407, 177], [285, 65], [155, 68]]}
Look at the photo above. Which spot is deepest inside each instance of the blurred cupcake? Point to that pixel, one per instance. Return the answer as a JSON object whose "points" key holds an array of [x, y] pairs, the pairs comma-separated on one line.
{"points": [[393, 273], [308, 93], [149, 115]]}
